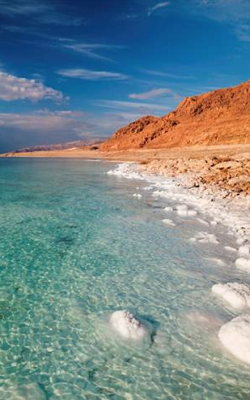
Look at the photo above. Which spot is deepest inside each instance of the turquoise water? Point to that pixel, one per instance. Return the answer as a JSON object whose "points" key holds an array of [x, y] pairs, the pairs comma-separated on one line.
{"points": [[75, 245]]}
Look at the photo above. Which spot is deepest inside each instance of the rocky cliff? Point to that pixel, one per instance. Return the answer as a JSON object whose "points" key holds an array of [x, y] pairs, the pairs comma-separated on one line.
{"points": [[218, 117]]}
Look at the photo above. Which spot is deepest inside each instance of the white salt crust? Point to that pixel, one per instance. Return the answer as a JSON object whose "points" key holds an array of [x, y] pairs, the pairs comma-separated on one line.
{"points": [[168, 222], [235, 337], [137, 195], [205, 237], [183, 211], [231, 249], [243, 264], [232, 213], [217, 261], [244, 250], [235, 294], [168, 209], [127, 325]]}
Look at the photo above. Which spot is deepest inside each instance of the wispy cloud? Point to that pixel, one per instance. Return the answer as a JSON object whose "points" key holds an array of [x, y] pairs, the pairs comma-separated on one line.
{"points": [[158, 6], [150, 94], [138, 106], [235, 13], [164, 74], [91, 50], [15, 88], [37, 11], [87, 74]]}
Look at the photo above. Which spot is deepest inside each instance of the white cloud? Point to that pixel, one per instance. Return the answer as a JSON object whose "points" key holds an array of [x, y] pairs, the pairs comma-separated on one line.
{"points": [[37, 11], [141, 108], [150, 94], [14, 88], [158, 6], [90, 50], [41, 121], [92, 75], [164, 74]]}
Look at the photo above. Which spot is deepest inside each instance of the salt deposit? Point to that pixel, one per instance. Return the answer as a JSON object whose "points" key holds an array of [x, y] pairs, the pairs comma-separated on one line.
{"points": [[183, 211], [168, 222], [243, 264], [205, 200], [244, 250], [127, 325], [137, 195], [217, 261], [231, 249], [235, 294], [235, 337], [213, 223], [202, 222], [168, 209], [205, 237]]}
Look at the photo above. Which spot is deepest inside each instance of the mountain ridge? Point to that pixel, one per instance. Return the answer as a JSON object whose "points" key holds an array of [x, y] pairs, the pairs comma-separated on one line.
{"points": [[218, 117]]}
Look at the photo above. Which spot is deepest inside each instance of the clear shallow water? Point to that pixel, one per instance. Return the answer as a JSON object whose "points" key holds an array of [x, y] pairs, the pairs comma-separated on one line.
{"points": [[75, 245]]}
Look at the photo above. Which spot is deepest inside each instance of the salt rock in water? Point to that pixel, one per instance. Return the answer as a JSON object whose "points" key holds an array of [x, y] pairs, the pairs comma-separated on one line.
{"points": [[235, 337], [137, 195], [168, 209], [243, 264], [183, 211], [244, 250], [229, 248], [205, 237], [127, 325], [235, 294], [168, 222]]}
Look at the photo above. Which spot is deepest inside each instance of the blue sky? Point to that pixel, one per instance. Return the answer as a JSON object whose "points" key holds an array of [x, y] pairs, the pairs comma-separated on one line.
{"points": [[71, 70]]}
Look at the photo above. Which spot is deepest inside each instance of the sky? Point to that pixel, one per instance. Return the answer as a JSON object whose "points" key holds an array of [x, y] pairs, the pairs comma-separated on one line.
{"points": [[71, 70]]}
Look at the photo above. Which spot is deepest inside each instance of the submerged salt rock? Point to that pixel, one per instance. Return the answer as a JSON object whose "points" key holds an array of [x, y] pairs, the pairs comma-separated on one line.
{"points": [[137, 195], [235, 294], [183, 211], [127, 325], [229, 248], [235, 337], [244, 250], [168, 209], [205, 237], [168, 222], [243, 264]]}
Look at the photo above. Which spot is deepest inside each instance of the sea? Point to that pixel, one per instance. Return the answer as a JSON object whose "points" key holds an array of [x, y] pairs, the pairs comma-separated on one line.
{"points": [[77, 244]]}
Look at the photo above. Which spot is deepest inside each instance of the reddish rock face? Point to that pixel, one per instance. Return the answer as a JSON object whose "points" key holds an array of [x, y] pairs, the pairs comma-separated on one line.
{"points": [[218, 117]]}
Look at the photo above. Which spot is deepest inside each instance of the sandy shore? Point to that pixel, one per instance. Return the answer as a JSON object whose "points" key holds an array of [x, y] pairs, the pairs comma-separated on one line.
{"points": [[225, 167], [195, 152]]}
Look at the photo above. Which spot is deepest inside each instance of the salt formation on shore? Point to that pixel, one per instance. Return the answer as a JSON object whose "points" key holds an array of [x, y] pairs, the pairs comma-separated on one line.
{"points": [[235, 294], [137, 195], [127, 325], [205, 237], [243, 264], [168, 222], [235, 337], [183, 211], [244, 250]]}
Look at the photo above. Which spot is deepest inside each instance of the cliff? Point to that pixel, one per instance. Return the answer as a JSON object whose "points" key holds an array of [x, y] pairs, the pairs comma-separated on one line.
{"points": [[218, 117]]}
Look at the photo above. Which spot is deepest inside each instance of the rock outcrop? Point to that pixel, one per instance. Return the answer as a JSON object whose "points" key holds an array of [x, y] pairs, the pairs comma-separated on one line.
{"points": [[218, 117]]}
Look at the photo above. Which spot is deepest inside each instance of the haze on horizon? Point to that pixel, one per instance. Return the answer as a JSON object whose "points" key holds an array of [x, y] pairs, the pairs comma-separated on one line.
{"points": [[84, 69]]}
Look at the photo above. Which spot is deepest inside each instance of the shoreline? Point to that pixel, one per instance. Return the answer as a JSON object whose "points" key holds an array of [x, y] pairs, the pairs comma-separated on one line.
{"points": [[230, 211], [223, 167]]}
